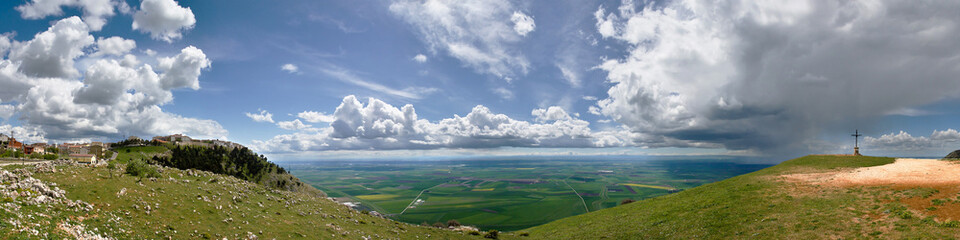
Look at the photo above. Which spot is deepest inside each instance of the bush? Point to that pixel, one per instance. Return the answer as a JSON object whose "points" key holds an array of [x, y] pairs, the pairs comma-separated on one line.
{"points": [[50, 156], [492, 234], [626, 201], [453, 223], [111, 165], [438, 225], [475, 233], [950, 224], [141, 169]]}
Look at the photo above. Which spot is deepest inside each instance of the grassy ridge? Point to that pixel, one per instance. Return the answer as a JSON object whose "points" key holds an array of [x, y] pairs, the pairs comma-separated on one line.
{"points": [[757, 205], [196, 205]]}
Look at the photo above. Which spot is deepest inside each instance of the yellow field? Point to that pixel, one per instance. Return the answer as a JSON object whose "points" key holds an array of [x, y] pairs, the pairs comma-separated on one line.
{"points": [[377, 197], [647, 186], [482, 189]]}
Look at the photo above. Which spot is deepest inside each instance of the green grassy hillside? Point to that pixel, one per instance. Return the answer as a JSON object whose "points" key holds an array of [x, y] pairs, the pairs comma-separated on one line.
{"points": [[761, 205], [179, 205]]}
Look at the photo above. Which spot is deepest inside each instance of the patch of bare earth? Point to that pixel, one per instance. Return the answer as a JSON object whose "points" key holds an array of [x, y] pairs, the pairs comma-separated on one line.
{"points": [[902, 175]]}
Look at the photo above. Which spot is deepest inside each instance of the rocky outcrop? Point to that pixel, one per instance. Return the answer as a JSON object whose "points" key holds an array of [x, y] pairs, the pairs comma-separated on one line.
{"points": [[18, 189], [953, 155]]}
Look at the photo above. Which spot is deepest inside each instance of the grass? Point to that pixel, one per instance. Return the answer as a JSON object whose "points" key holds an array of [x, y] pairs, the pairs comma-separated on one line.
{"points": [[185, 206], [759, 206], [125, 154], [482, 189]]}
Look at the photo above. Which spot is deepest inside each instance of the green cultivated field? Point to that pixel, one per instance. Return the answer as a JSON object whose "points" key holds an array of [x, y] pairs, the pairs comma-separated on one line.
{"points": [[507, 195]]}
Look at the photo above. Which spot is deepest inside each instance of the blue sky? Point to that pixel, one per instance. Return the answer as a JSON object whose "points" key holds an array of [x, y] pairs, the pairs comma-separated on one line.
{"points": [[486, 77]]}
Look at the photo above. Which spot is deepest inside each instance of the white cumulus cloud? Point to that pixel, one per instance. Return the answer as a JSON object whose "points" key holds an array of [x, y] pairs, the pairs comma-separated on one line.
{"points": [[420, 58], [381, 126], [116, 46], [290, 68], [522, 23], [109, 98], [52, 53], [296, 124], [163, 19], [95, 12], [262, 116], [315, 117]]}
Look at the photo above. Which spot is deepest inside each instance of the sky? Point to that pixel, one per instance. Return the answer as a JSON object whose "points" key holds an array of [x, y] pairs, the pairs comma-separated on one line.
{"points": [[377, 79]]}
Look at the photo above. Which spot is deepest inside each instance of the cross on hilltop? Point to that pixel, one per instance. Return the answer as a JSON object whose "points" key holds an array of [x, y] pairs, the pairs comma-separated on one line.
{"points": [[856, 142]]}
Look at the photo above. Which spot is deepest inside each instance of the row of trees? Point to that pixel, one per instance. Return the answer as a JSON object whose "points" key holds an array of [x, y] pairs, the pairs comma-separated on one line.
{"points": [[6, 153], [136, 142], [238, 162]]}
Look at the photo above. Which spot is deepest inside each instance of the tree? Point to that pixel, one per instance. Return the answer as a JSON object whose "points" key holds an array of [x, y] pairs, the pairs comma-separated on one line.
{"points": [[492, 234], [111, 166], [626, 201], [453, 223], [141, 169]]}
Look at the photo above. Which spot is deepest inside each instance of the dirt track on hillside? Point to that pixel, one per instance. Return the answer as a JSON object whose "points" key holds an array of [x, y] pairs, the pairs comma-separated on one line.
{"points": [[904, 172]]}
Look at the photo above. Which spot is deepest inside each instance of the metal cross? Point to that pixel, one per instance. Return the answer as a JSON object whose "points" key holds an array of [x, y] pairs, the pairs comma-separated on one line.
{"points": [[856, 138]]}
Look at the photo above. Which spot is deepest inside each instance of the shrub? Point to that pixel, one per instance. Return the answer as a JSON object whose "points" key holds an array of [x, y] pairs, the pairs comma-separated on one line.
{"points": [[438, 225], [492, 234], [951, 224], [524, 234], [475, 233], [111, 165], [626, 201], [453, 223], [141, 169]]}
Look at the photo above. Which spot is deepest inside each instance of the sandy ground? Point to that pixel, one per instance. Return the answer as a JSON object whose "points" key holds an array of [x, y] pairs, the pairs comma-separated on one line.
{"points": [[903, 171]]}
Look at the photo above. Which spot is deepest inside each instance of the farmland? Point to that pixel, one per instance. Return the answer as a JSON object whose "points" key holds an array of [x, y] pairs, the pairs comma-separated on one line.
{"points": [[507, 194]]}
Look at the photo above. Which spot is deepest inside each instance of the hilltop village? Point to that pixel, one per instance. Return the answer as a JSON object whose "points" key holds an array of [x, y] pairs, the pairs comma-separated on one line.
{"points": [[92, 152]]}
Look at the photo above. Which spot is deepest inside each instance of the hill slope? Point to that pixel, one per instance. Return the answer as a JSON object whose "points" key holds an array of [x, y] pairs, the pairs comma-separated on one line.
{"points": [[764, 205], [83, 201], [238, 162]]}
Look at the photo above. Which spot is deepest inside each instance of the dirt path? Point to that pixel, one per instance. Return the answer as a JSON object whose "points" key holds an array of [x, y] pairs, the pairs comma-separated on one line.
{"points": [[578, 195], [905, 171], [415, 199]]}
